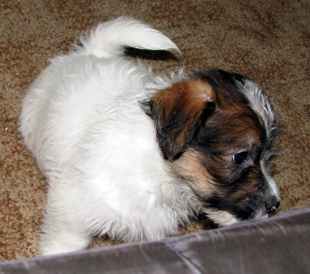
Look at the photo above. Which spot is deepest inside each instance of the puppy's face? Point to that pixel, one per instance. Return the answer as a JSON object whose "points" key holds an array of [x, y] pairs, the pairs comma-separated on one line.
{"points": [[217, 129]]}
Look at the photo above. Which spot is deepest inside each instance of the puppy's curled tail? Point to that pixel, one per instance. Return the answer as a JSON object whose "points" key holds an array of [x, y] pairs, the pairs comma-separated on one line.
{"points": [[109, 38]]}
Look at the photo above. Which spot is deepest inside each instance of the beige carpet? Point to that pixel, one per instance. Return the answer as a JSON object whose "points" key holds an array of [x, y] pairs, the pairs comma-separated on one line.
{"points": [[267, 40]]}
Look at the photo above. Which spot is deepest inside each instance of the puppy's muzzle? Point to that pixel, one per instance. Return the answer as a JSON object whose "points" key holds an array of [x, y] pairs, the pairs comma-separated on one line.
{"points": [[272, 204]]}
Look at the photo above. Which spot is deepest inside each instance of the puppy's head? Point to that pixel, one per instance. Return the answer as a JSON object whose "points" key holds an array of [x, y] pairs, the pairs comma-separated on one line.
{"points": [[217, 129]]}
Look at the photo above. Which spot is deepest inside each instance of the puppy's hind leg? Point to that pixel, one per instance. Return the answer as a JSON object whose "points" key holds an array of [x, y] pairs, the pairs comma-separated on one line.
{"points": [[59, 236], [63, 228]]}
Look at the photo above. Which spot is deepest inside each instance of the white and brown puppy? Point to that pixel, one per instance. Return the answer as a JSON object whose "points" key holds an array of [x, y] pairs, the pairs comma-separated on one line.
{"points": [[132, 155]]}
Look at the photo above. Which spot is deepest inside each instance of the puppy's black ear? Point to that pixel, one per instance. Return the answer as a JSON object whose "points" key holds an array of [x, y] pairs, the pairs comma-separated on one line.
{"points": [[178, 111]]}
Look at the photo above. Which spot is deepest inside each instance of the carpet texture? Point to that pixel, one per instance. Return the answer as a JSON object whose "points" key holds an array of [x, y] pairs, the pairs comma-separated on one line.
{"points": [[266, 40]]}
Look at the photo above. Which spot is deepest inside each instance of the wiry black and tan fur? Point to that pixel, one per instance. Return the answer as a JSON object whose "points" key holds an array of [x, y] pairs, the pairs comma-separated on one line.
{"points": [[218, 130]]}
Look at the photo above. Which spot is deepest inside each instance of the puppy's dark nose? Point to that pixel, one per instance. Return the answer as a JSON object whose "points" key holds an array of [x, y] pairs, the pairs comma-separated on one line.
{"points": [[272, 204]]}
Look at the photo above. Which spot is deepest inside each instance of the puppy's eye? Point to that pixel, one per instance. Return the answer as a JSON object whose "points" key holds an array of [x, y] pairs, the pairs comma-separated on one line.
{"points": [[240, 157]]}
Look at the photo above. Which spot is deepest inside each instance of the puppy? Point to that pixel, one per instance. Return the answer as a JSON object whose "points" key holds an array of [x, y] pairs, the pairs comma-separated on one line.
{"points": [[132, 155]]}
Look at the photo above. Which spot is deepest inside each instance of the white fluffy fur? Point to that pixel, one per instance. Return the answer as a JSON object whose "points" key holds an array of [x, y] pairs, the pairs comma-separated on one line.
{"points": [[82, 121]]}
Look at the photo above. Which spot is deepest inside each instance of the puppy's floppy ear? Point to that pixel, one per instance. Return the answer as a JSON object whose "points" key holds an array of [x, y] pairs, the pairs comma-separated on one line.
{"points": [[178, 111]]}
